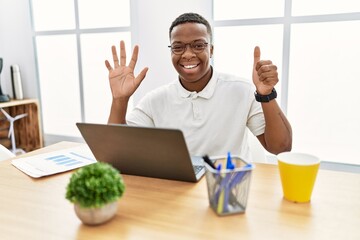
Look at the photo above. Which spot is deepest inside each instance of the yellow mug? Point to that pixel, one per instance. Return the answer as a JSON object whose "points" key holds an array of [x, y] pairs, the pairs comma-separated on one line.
{"points": [[298, 173]]}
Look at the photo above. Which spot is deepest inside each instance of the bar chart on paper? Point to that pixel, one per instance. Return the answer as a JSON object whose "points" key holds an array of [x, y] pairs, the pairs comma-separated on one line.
{"points": [[55, 162], [65, 160]]}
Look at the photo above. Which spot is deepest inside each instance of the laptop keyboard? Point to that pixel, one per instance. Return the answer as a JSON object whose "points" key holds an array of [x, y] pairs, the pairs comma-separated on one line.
{"points": [[197, 168]]}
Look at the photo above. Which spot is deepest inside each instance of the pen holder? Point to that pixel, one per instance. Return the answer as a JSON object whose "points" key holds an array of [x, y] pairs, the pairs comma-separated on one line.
{"points": [[228, 189]]}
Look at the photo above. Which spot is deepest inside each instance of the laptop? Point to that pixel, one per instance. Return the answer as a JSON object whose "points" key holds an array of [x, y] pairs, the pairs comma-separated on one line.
{"points": [[143, 151]]}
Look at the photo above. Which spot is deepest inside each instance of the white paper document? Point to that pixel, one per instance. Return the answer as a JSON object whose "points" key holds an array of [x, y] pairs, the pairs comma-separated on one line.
{"points": [[55, 162]]}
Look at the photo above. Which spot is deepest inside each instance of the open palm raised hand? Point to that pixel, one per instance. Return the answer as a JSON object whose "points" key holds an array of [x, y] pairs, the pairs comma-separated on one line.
{"points": [[123, 82]]}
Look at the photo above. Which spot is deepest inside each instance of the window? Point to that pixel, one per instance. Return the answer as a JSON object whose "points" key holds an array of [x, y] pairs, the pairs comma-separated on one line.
{"points": [[104, 13], [73, 39], [242, 9], [240, 41], [320, 7], [59, 83], [316, 47], [97, 93], [53, 15], [323, 89]]}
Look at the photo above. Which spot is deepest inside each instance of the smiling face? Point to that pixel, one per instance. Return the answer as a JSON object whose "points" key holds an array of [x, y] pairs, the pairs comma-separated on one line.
{"points": [[193, 68]]}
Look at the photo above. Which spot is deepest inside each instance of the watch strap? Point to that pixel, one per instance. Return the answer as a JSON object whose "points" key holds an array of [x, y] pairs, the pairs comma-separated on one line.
{"points": [[266, 98]]}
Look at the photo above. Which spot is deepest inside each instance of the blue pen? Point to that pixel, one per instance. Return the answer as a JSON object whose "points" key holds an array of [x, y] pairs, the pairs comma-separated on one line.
{"points": [[223, 199], [217, 185], [237, 179], [240, 175], [226, 191], [229, 164], [221, 193]]}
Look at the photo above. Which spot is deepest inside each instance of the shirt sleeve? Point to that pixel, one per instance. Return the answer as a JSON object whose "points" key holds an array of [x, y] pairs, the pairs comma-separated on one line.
{"points": [[256, 119], [141, 114]]}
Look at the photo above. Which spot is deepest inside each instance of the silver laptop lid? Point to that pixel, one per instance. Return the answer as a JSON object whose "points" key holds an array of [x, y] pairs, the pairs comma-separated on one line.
{"points": [[141, 151]]}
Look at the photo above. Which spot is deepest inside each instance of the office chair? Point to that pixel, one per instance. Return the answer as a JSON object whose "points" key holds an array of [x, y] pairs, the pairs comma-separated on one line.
{"points": [[11, 130]]}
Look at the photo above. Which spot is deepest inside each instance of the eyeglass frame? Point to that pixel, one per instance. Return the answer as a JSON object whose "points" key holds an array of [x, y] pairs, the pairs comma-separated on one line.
{"points": [[191, 47]]}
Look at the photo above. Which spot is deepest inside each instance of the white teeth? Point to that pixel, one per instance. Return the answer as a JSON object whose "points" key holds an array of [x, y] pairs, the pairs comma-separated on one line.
{"points": [[189, 66]]}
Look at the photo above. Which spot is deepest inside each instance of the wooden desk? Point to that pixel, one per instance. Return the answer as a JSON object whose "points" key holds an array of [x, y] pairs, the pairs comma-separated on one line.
{"points": [[161, 209], [28, 134]]}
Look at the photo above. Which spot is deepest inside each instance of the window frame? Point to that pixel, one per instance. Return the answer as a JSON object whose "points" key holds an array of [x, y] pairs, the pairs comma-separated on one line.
{"points": [[288, 20], [77, 31]]}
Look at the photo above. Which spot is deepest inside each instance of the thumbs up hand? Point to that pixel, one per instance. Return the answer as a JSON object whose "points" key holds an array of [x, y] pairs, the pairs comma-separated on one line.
{"points": [[265, 75]]}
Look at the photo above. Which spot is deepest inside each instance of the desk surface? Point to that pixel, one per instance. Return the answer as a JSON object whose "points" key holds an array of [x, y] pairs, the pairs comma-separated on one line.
{"points": [[163, 209]]}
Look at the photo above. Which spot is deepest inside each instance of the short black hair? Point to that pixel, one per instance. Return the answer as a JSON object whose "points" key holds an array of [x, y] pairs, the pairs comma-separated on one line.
{"points": [[191, 18]]}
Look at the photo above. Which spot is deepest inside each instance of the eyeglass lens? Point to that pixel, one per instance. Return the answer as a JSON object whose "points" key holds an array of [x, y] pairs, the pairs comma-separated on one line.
{"points": [[196, 47]]}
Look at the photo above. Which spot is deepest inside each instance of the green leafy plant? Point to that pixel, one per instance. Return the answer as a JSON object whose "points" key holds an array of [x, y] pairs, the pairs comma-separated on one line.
{"points": [[95, 185]]}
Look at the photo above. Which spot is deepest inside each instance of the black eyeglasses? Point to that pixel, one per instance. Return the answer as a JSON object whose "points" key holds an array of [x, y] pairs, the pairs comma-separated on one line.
{"points": [[196, 47]]}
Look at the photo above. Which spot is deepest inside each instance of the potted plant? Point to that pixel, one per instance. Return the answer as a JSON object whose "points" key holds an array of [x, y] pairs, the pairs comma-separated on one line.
{"points": [[94, 190]]}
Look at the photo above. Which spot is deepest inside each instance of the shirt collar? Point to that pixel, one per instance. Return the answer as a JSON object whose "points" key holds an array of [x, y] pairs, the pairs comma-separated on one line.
{"points": [[206, 93]]}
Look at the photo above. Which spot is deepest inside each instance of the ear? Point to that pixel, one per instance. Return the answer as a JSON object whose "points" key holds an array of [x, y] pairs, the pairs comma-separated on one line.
{"points": [[211, 50]]}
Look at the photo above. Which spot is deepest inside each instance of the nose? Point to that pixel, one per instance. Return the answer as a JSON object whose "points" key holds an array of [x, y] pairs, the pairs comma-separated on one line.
{"points": [[188, 50]]}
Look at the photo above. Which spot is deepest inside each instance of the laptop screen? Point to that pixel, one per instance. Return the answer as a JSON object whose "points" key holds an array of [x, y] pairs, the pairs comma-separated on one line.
{"points": [[142, 151]]}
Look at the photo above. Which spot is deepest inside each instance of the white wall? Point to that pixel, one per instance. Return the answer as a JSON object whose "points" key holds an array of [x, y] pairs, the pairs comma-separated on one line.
{"points": [[151, 20], [16, 46]]}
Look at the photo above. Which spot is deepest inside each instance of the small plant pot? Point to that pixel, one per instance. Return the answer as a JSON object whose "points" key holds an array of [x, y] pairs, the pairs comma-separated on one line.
{"points": [[96, 216]]}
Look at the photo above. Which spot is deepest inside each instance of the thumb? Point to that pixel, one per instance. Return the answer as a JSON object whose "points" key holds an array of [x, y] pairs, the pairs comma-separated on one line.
{"points": [[256, 55]]}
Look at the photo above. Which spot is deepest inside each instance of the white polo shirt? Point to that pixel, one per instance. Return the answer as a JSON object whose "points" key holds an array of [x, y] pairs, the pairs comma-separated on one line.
{"points": [[213, 121]]}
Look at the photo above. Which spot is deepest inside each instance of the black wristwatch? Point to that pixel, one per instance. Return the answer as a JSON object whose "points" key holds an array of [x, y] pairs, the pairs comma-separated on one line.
{"points": [[266, 98]]}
